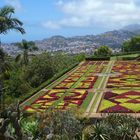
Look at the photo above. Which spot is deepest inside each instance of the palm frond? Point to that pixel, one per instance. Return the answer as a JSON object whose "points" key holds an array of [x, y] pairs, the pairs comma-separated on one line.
{"points": [[6, 11], [7, 22]]}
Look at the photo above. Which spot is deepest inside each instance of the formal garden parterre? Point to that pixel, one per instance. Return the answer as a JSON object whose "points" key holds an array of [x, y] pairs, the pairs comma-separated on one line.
{"points": [[124, 89], [121, 101], [119, 90], [71, 91]]}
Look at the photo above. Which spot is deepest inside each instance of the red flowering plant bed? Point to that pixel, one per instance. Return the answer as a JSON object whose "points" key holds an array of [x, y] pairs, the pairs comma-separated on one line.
{"points": [[76, 74], [64, 85], [105, 62], [96, 70], [129, 75], [85, 85], [71, 79], [85, 63], [68, 104], [76, 95], [121, 101], [45, 101], [90, 79], [82, 69], [127, 67], [73, 99]]}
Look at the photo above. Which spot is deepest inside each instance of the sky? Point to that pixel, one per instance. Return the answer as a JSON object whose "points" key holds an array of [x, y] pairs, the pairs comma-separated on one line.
{"points": [[45, 18]]}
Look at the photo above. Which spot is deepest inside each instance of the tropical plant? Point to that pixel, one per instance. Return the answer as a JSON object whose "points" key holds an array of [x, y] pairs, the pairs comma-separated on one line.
{"points": [[26, 47], [30, 128], [5, 69], [125, 127], [61, 125], [98, 131], [7, 22]]}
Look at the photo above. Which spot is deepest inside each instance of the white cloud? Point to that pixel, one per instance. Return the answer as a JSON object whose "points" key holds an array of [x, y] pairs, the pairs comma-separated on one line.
{"points": [[15, 3], [85, 13], [51, 25]]}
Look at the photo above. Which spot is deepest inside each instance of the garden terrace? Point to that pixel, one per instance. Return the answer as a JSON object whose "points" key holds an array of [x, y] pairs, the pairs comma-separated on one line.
{"points": [[94, 87]]}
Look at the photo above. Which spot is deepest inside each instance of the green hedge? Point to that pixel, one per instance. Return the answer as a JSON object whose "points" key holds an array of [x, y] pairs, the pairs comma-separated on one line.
{"points": [[130, 58], [43, 85], [98, 58], [125, 53]]}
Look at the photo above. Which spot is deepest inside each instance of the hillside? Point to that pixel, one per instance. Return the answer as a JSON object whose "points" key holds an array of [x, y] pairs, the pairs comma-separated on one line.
{"points": [[87, 44]]}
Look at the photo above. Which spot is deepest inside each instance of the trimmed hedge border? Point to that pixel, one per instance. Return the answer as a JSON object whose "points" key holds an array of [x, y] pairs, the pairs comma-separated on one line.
{"points": [[125, 58], [125, 53], [43, 85], [129, 58], [98, 58]]}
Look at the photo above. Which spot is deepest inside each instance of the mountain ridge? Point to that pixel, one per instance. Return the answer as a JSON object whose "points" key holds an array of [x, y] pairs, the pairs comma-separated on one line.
{"points": [[88, 43]]}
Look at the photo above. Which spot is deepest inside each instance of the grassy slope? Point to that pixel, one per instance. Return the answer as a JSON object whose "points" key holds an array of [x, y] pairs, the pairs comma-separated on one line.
{"points": [[123, 56]]}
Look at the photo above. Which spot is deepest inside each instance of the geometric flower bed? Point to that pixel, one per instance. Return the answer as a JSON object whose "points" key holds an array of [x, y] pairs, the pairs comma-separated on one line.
{"points": [[45, 101], [71, 99], [71, 91], [123, 81], [121, 101], [64, 85], [85, 84], [127, 67], [129, 75], [90, 78], [87, 63]]}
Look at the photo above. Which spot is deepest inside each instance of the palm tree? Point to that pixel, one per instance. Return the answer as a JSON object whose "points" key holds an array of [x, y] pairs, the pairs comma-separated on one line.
{"points": [[7, 22], [27, 47]]}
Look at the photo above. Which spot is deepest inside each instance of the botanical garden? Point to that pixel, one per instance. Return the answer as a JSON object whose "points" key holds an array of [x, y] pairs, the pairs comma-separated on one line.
{"points": [[57, 96]]}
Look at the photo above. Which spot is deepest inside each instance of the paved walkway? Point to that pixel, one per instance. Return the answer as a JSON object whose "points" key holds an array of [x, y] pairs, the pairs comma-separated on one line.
{"points": [[100, 88], [103, 115]]}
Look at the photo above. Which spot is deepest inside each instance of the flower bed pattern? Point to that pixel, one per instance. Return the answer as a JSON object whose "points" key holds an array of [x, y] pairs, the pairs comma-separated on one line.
{"points": [[128, 75], [73, 98], [71, 91], [87, 83], [121, 101]]}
